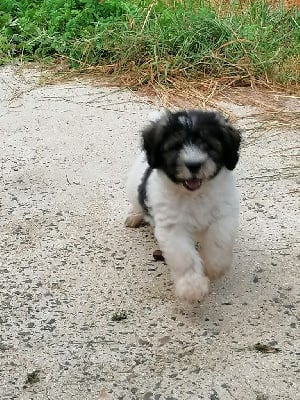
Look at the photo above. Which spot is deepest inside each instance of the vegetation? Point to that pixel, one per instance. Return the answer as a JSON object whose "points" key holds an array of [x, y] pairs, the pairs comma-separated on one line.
{"points": [[158, 40]]}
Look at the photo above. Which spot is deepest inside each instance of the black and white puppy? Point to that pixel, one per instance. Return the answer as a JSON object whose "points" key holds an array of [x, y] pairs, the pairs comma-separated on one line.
{"points": [[182, 184]]}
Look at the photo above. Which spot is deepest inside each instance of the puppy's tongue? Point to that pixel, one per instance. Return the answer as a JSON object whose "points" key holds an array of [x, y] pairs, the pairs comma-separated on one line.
{"points": [[192, 184]]}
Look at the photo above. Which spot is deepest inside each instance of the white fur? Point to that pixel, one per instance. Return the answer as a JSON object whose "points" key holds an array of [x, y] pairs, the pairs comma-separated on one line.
{"points": [[192, 153], [181, 218], [155, 115]]}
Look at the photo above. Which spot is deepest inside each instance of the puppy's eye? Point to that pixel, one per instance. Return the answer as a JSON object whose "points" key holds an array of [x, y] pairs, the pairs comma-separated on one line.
{"points": [[174, 146], [214, 145], [204, 146]]}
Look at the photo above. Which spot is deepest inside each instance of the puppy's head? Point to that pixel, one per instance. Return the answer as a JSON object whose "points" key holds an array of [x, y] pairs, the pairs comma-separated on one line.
{"points": [[191, 147]]}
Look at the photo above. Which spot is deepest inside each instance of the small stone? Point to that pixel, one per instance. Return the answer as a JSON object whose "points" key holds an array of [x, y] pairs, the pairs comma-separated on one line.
{"points": [[148, 396], [163, 340], [119, 315]]}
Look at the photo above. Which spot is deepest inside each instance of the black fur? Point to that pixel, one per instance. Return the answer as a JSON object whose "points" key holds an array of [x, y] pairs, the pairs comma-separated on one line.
{"points": [[142, 192], [210, 131]]}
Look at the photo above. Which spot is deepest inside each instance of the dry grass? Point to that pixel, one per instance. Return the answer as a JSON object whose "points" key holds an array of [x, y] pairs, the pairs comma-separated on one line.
{"points": [[273, 103]]}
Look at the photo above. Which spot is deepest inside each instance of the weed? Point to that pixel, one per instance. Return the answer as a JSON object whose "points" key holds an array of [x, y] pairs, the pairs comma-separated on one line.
{"points": [[265, 348], [158, 40], [32, 378]]}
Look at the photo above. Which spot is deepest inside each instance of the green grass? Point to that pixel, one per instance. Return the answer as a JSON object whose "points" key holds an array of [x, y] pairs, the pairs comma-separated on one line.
{"points": [[157, 39]]}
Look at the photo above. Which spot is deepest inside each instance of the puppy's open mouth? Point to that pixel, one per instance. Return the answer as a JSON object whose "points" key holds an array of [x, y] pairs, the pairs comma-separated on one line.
{"points": [[192, 184]]}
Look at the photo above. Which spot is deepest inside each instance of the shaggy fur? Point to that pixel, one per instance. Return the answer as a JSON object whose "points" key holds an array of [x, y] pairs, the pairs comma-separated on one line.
{"points": [[182, 184]]}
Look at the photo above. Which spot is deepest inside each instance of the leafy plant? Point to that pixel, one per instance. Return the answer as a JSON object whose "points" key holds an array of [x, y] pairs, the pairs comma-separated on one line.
{"points": [[158, 39]]}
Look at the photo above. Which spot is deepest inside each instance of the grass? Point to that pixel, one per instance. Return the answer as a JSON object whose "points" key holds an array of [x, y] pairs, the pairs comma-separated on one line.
{"points": [[158, 41]]}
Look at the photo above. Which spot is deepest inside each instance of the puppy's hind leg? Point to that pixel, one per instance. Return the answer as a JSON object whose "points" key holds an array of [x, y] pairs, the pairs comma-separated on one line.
{"points": [[135, 217]]}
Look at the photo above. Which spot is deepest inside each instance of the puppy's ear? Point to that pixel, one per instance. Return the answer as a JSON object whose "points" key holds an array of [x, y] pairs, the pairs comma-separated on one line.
{"points": [[152, 136], [231, 140], [151, 143]]}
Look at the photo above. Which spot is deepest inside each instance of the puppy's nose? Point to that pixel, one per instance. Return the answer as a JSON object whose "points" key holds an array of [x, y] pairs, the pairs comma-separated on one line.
{"points": [[193, 166]]}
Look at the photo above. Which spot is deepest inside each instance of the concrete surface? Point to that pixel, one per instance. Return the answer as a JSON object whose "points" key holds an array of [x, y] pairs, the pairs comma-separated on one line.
{"points": [[68, 264]]}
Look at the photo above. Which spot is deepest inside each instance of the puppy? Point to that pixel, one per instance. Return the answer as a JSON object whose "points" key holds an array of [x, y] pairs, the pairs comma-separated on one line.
{"points": [[182, 184]]}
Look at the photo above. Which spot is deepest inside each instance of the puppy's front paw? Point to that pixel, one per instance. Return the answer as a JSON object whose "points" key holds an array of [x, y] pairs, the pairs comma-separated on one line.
{"points": [[134, 220], [215, 273], [192, 287], [217, 269]]}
